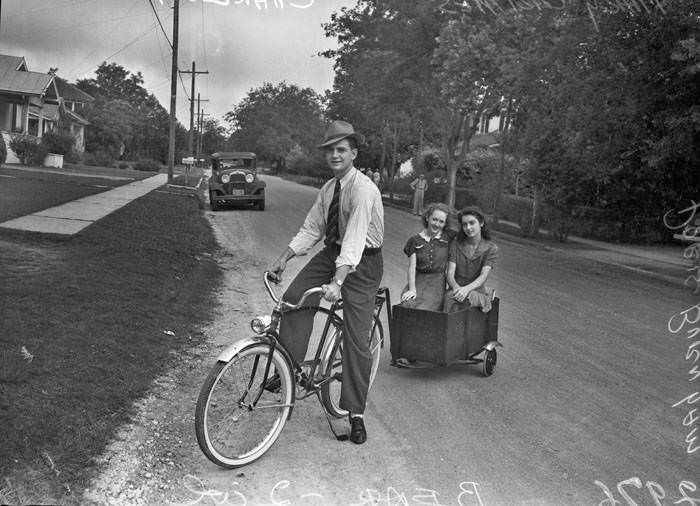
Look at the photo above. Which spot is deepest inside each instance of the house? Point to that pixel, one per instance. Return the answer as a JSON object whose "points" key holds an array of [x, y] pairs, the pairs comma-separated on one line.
{"points": [[33, 103], [73, 101]]}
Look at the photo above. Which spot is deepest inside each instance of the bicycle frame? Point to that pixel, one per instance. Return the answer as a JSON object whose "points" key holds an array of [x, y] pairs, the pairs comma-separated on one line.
{"points": [[271, 338]]}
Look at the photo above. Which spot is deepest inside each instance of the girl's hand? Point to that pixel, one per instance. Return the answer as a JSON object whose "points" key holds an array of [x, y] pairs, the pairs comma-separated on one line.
{"points": [[460, 294], [408, 295]]}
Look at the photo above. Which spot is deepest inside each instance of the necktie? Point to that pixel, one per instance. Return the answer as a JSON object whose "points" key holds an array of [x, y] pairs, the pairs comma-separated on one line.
{"points": [[332, 230]]}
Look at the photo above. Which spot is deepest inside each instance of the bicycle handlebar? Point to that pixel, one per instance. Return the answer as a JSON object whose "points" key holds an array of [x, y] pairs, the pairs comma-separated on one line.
{"points": [[288, 305]]}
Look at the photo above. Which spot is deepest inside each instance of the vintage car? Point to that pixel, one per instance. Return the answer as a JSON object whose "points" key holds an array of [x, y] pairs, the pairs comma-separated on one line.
{"points": [[234, 180]]}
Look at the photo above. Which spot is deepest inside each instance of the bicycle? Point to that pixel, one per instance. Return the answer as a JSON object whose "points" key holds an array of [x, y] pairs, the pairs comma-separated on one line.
{"points": [[239, 416]]}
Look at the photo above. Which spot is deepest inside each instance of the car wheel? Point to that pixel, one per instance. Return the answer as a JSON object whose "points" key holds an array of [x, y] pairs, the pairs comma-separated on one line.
{"points": [[261, 205]]}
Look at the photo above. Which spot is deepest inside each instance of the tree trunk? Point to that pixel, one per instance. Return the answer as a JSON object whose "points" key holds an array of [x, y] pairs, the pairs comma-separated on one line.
{"points": [[536, 208], [394, 150], [382, 160], [502, 167]]}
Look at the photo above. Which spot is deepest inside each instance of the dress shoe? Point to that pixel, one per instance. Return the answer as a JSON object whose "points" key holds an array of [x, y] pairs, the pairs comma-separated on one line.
{"points": [[358, 434]]}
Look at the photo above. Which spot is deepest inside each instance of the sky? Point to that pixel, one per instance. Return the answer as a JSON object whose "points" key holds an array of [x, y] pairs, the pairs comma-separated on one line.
{"points": [[241, 43]]}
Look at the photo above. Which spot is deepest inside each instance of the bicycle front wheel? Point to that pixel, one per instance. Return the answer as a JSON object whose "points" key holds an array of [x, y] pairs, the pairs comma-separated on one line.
{"points": [[237, 420], [330, 393]]}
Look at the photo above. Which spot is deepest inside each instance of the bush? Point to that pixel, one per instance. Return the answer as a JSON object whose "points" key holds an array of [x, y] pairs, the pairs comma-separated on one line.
{"points": [[428, 161], [59, 143], [39, 155], [465, 197], [73, 157], [147, 165], [123, 165], [301, 163], [514, 207], [3, 150], [98, 159], [401, 185], [437, 186], [25, 147]]}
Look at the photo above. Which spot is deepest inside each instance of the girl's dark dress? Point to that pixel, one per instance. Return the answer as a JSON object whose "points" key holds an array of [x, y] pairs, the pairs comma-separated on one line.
{"points": [[431, 263], [468, 268]]}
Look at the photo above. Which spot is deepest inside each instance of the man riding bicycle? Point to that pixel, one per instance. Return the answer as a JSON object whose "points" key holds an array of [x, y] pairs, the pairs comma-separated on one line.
{"points": [[348, 211]]}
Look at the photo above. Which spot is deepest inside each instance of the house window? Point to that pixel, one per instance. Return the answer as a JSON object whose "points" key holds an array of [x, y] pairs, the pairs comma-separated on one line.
{"points": [[17, 118], [33, 128]]}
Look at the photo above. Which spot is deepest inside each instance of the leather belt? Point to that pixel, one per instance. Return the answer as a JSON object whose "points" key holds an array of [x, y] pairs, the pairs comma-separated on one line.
{"points": [[366, 252]]}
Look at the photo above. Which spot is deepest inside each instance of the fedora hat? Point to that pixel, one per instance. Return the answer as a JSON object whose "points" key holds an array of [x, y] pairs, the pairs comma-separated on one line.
{"points": [[339, 130]]}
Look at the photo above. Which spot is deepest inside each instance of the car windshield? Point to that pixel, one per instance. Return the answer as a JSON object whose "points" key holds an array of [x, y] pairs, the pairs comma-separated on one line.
{"points": [[244, 163]]}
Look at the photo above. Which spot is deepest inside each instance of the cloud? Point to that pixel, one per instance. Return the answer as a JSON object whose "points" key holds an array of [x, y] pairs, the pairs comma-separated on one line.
{"points": [[240, 45]]}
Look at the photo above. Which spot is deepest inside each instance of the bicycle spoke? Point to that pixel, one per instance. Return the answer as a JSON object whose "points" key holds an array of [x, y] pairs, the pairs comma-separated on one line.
{"points": [[237, 419]]}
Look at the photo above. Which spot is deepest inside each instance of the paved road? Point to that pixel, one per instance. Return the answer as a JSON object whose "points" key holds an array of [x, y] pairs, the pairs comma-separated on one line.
{"points": [[582, 393]]}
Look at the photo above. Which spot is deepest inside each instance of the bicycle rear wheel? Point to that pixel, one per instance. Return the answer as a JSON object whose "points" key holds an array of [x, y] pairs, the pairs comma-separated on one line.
{"points": [[330, 392], [236, 419]]}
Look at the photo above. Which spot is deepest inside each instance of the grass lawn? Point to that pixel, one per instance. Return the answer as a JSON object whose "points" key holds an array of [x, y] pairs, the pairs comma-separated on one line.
{"points": [[86, 324]]}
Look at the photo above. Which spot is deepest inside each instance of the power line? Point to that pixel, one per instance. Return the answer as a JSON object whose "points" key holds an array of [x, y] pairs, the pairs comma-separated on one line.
{"points": [[150, 2], [139, 37], [97, 48]]}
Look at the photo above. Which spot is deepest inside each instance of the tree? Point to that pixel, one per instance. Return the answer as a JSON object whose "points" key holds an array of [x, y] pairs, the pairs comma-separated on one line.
{"points": [[213, 136], [272, 120], [125, 119], [603, 114], [383, 74], [396, 73]]}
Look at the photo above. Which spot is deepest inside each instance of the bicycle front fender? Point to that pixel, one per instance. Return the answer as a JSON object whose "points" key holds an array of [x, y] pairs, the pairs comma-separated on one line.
{"points": [[233, 349]]}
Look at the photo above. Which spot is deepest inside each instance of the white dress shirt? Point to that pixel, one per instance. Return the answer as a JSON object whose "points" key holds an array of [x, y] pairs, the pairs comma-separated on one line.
{"points": [[361, 219]]}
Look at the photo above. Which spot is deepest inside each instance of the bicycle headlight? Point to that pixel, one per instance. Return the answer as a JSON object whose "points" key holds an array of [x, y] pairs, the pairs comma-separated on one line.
{"points": [[225, 178], [249, 178], [260, 324]]}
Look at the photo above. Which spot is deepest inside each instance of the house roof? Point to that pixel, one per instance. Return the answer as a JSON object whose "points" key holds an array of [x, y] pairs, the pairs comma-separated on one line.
{"points": [[50, 112], [75, 117], [13, 62], [70, 92], [21, 82]]}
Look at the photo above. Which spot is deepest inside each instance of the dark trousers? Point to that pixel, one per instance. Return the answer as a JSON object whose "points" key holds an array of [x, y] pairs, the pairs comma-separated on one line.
{"points": [[358, 292]]}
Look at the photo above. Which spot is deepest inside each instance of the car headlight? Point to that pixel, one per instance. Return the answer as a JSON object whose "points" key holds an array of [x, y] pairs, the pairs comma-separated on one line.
{"points": [[225, 178], [249, 178], [260, 324]]}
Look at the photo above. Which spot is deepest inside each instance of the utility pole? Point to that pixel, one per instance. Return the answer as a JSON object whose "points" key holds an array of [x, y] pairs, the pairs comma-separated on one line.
{"points": [[194, 73], [201, 130], [173, 93], [199, 123]]}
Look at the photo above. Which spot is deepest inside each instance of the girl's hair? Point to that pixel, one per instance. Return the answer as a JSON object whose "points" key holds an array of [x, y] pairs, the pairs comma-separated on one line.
{"points": [[436, 206], [479, 215]]}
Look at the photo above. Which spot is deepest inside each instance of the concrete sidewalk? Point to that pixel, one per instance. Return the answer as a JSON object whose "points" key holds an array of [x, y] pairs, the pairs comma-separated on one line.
{"points": [[72, 217]]}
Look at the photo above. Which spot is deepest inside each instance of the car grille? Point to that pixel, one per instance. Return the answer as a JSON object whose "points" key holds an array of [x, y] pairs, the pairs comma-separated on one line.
{"points": [[237, 178], [234, 184]]}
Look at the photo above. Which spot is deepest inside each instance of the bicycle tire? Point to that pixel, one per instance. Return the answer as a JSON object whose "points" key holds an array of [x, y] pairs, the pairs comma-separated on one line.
{"points": [[330, 392], [230, 431]]}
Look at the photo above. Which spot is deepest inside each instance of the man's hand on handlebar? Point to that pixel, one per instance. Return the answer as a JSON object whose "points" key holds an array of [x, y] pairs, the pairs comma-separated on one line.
{"points": [[276, 269], [279, 265], [331, 292]]}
